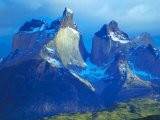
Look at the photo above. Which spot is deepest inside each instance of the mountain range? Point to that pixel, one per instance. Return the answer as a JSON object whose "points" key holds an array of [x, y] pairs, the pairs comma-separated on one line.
{"points": [[49, 71]]}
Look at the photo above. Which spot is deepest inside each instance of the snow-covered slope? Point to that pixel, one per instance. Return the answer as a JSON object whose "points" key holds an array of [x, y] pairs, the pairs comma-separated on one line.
{"points": [[116, 34], [118, 38]]}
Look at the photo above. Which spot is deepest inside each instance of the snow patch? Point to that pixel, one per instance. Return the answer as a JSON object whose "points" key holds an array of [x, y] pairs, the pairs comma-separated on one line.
{"points": [[93, 72], [48, 53], [53, 62], [69, 10], [36, 29], [141, 73], [51, 50], [51, 31], [118, 38]]}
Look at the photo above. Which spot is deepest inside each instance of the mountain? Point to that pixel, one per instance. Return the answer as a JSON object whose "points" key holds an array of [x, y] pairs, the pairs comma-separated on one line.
{"points": [[109, 40], [121, 68], [116, 81], [144, 39], [61, 36], [144, 62], [49, 71], [34, 89], [122, 85], [35, 79]]}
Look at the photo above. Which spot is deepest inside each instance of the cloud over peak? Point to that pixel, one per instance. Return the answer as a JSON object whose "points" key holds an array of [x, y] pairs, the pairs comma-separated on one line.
{"points": [[133, 17]]}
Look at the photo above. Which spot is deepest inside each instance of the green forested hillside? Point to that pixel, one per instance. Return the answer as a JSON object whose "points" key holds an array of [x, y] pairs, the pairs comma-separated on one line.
{"points": [[135, 109]]}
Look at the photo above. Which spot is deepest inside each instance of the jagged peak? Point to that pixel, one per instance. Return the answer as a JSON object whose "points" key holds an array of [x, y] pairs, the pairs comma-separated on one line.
{"points": [[145, 34], [31, 25], [68, 12], [102, 32], [113, 22], [67, 19], [113, 26], [112, 31], [151, 48], [34, 25], [145, 39]]}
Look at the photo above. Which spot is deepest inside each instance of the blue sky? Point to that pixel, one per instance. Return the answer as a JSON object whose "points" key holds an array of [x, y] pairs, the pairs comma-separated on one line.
{"points": [[134, 16]]}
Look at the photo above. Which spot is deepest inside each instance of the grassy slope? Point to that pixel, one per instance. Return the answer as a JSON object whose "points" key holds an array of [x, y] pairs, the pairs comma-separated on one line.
{"points": [[153, 117], [123, 111]]}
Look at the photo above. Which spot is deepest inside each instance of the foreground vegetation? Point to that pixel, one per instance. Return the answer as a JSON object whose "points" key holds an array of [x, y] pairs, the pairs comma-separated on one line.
{"points": [[153, 117], [135, 109]]}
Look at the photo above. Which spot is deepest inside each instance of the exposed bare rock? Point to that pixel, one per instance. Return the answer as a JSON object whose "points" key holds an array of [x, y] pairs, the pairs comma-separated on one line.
{"points": [[107, 42], [122, 84], [110, 40], [62, 36]]}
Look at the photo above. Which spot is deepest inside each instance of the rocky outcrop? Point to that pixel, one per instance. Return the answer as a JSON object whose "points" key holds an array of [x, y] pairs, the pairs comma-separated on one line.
{"points": [[30, 36], [100, 50], [62, 35], [83, 50], [66, 43], [107, 42], [128, 64], [144, 62], [45, 73], [122, 85], [110, 40], [68, 20], [36, 80], [117, 81], [144, 39]]}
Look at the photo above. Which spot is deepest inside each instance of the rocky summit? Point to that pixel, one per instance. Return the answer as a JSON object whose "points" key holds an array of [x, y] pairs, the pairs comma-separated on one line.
{"points": [[60, 39], [49, 71], [109, 40]]}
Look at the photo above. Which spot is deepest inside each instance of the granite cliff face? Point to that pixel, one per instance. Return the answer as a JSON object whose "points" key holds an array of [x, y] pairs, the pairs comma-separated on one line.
{"points": [[107, 42], [144, 39], [121, 68], [36, 79], [110, 40], [61, 37]]}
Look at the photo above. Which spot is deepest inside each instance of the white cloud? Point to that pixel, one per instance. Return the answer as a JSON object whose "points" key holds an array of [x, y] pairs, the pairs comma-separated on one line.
{"points": [[143, 14], [133, 16], [138, 10]]}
